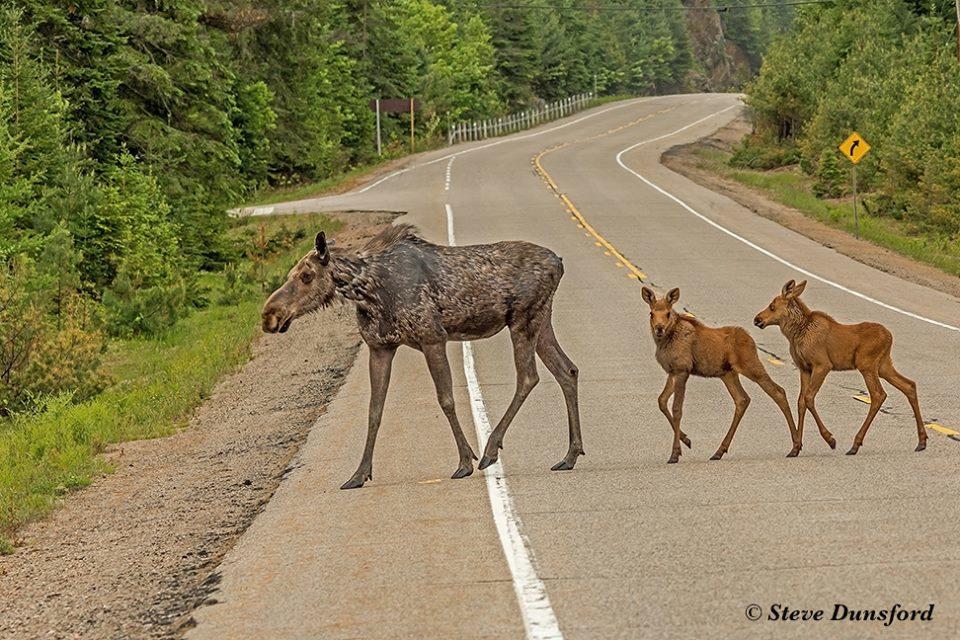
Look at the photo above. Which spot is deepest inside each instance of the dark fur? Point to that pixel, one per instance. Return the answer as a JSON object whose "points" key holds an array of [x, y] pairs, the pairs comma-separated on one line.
{"points": [[411, 292]]}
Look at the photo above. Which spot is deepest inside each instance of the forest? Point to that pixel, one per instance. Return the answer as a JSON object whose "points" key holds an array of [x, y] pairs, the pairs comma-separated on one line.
{"points": [[887, 69], [128, 127]]}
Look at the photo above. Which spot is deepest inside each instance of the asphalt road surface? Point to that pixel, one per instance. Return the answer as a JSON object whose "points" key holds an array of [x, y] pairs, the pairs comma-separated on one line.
{"points": [[625, 546]]}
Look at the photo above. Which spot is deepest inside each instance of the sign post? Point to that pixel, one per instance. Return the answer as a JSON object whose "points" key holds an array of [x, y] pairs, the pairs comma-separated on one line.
{"points": [[379, 144], [412, 145], [854, 148]]}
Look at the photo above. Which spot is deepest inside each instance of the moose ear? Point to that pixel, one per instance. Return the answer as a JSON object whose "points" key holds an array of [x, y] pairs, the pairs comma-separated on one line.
{"points": [[796, 289], [787, 288], [320, 244], [648, 295], [673, 295]]}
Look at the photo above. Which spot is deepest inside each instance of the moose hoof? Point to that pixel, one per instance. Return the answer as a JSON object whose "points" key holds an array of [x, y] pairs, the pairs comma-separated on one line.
{"points": [[794, 452], [921, 446], [853, 450], [832, 442], [685, 440], [462, 472], [717, 455], [353, 483], [673, 460], [563, 465], [485, 462]]}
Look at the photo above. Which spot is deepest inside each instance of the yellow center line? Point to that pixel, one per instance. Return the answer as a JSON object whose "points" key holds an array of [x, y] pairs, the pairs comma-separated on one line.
{"points": [[947, 431], [622, 260]]}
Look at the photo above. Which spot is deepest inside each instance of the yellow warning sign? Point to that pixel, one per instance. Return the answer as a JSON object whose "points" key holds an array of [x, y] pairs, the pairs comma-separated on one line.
{"points": [[854, 148]]}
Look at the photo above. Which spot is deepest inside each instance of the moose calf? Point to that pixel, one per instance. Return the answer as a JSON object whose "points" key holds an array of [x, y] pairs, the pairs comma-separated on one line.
{"points": [[819, 344], [685, 347]]}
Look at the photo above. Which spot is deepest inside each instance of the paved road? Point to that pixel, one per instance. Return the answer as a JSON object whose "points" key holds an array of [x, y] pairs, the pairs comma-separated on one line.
{"points": [[625, 546]]}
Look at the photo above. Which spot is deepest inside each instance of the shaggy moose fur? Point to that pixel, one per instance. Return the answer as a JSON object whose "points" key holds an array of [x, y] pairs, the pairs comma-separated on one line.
{"points": [[686, 346], [411, 292], [819, 344]]}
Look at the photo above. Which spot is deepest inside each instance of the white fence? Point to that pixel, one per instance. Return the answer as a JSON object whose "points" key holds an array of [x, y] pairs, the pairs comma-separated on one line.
{"points": [[482, 129]]}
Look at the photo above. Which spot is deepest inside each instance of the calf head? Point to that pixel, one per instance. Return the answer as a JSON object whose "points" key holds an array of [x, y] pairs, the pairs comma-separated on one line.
{"points": [[309, 286], [780, 307], [663, 319]]}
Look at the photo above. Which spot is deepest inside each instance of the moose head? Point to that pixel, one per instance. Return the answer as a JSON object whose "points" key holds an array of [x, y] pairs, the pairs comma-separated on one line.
{"points": [[309, 286], [782, 306], [663, 319]]}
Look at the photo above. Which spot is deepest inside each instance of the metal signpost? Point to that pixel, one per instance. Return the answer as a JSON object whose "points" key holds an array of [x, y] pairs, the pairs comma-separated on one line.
{"points": [[397, 106], [854, 148]]}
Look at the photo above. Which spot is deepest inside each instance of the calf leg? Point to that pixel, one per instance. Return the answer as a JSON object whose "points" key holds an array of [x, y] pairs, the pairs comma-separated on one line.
{"points": [[524, 345], [566, 374], [877, 396], [907, 387], [381, 362], [813, 388], [759, 375], [679, 390], [741, 401], [436, 355], [663, 403]]}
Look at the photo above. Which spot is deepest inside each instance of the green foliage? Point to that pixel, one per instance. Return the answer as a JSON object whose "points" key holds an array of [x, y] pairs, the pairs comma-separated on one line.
{"points": [[886, 69], [831, 176]]}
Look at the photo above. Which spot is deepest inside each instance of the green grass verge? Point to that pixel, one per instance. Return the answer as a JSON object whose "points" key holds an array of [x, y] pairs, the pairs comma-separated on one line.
{"points": [[157, 383], [792, 188]]}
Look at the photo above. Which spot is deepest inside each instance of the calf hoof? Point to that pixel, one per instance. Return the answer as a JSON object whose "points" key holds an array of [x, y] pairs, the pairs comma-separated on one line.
{"points": [[563, 465], [462, 472], [673, 460], [794, 452], [717, 455], [853, 450], [921, 446], [485, 462], [685, 440], [354, 483], [832, 442]]}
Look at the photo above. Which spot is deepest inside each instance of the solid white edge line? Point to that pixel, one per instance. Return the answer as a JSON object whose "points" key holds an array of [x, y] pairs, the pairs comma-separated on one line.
{"points": [[539, 620], [513, 138], [757, 247]]}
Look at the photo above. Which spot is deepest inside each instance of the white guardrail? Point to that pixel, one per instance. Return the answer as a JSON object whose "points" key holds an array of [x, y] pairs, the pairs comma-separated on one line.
{"points": [[493, 127]]}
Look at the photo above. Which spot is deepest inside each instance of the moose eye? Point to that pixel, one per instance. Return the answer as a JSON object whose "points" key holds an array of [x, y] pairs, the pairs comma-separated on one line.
{"points": [[306, 277], [771, 306]]}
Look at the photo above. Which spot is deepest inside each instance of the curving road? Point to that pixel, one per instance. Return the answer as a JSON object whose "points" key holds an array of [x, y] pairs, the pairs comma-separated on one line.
{"points": [[625, 546]]}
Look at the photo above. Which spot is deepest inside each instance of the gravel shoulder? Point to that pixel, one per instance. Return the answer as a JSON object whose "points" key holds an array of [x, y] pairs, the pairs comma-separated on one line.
{"points": [[683, 160], [134, 553]]}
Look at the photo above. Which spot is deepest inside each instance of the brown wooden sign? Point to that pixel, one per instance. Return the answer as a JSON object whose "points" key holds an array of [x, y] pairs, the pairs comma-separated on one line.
{"points": [[395, 105]]}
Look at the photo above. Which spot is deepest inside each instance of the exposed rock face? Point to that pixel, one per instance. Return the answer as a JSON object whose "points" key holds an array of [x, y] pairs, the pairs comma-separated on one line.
{"points": [[722, 64]]}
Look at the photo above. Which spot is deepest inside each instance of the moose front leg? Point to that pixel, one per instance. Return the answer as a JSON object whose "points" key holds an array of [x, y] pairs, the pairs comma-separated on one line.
{"points": [[381, 362], [436, 355], [679, 390]]}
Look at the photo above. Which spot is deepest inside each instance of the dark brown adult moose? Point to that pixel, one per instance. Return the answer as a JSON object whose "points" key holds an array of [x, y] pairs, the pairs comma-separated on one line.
{"points": [[686, 346], [411, 292], [819, 344]]}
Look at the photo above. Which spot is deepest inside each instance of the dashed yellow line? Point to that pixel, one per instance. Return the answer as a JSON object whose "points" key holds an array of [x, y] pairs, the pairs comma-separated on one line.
{"points": [[776, 361], [862, 398], [947, 431], [600, 241]]}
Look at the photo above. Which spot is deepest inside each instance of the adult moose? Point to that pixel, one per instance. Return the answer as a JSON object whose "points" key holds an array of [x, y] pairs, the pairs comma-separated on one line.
{"points": [[411, 292], [819, 344], [686, 346]]}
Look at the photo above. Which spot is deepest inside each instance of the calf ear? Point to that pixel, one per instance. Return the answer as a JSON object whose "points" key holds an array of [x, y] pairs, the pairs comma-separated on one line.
{"points": [[648, 295], [320, 244], [796, 290], [673, 295], [787, 288]]}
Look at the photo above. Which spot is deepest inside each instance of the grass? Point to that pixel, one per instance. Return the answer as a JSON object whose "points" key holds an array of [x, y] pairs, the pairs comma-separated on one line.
{"points": [[792, 188], [157, 383]]}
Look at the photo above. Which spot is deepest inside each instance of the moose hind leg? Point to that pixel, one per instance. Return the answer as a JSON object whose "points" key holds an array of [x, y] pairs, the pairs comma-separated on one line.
{"points": [[381, 362], [436, 356], [567, 375], [877, 396], [907, 387], [741, 401], [524, 342], [760, 376]]}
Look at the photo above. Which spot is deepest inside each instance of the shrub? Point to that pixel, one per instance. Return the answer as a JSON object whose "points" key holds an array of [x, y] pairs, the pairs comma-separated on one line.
{"points": [[763, 152], [831, 177]]}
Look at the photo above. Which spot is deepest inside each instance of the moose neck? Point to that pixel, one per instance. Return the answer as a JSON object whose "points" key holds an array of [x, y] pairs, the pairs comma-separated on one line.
{"points": [[355, 280], [798, 316]]}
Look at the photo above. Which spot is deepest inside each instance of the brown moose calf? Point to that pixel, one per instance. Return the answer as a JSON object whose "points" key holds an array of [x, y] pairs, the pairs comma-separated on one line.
{"points": [[819, 344], [685, 347]]}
